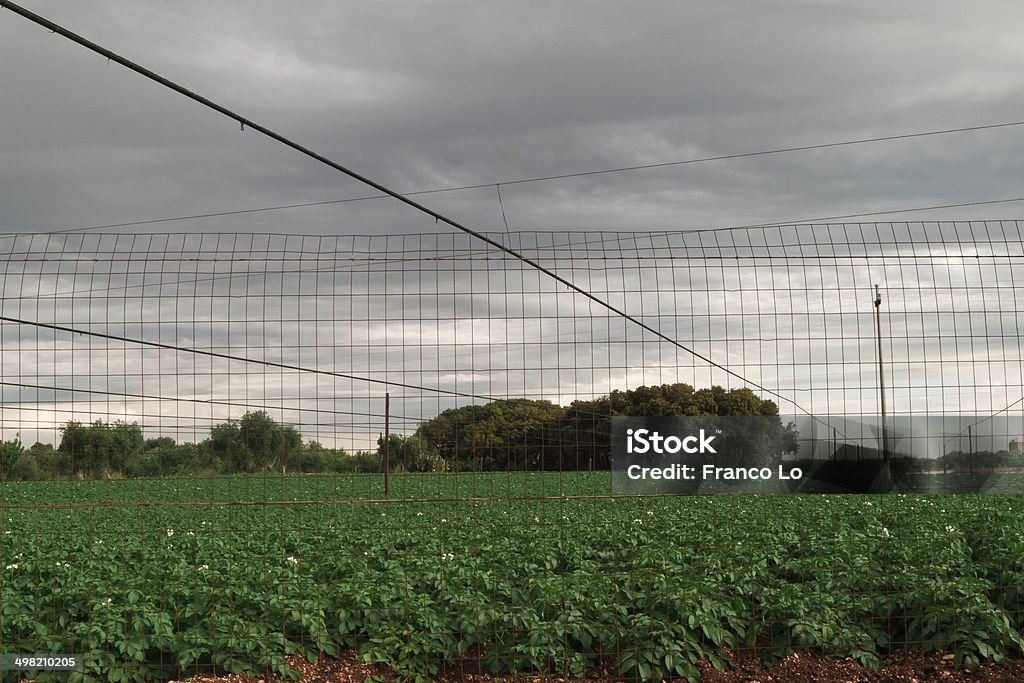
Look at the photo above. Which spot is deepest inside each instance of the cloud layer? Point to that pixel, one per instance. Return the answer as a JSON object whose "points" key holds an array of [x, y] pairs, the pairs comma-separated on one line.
{"points": [[423, 96]]}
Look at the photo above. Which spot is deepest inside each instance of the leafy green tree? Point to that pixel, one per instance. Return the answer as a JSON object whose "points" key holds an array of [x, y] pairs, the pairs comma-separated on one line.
{"points": [[274, 446], [255, 442], [50, 463], [125, 443], [226, 446], [163, 457], [74, 445], [314, 457], [26, 469], [584, 437], [100, 448], [10, 452], [410, 454], [366, 462], [263, 437], [511, 434]]}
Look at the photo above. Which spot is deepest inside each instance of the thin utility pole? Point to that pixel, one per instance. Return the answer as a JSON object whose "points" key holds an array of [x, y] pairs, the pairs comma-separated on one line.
{"points": [[881, 378], [970, 448], [387, 440]]}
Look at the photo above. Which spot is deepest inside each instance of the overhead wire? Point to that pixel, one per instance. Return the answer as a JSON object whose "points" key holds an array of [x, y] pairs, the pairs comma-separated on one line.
{"points": [[806, 222], [793, 221]]}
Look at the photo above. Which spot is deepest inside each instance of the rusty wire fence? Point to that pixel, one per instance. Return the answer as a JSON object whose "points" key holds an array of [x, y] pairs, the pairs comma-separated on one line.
{"points": [[222, 451]]}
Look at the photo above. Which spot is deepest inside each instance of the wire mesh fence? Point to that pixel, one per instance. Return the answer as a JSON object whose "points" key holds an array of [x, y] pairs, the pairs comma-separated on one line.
{"points": [[196, 475]]}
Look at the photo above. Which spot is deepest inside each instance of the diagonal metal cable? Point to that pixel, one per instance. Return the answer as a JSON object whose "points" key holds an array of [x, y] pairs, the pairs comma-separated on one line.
{"points": [[183, 399], [241, 359]]}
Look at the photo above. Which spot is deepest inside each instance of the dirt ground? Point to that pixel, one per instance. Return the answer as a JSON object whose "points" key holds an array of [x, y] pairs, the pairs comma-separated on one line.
{"points": [[797, 668]]}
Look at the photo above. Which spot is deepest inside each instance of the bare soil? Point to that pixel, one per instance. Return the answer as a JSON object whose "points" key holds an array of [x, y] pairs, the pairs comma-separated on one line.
{"points": [[797, 668]]}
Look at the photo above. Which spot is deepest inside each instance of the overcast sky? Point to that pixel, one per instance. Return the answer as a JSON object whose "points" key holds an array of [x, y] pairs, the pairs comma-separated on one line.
{"points": [[430, 95]]}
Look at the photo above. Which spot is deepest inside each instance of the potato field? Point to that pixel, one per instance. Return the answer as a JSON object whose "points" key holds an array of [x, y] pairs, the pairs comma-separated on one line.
{"points": [[498, 573]]}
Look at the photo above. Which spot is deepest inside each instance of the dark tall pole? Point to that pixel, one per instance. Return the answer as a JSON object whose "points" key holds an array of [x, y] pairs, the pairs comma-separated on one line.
{"points": [[881, 379], [387, 440], [970, 448]]}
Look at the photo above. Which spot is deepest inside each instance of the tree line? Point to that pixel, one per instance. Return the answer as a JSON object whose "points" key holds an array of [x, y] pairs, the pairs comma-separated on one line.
{"points": [[254, 443], [511, 434]]}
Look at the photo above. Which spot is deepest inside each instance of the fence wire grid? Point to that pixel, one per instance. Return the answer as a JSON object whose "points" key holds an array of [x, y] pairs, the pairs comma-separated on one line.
{"points": [[221, 451]]}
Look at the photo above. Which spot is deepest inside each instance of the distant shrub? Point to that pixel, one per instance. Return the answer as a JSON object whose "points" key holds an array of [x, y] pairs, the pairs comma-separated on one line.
{"points": [[26, 468], [10, 453]]}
